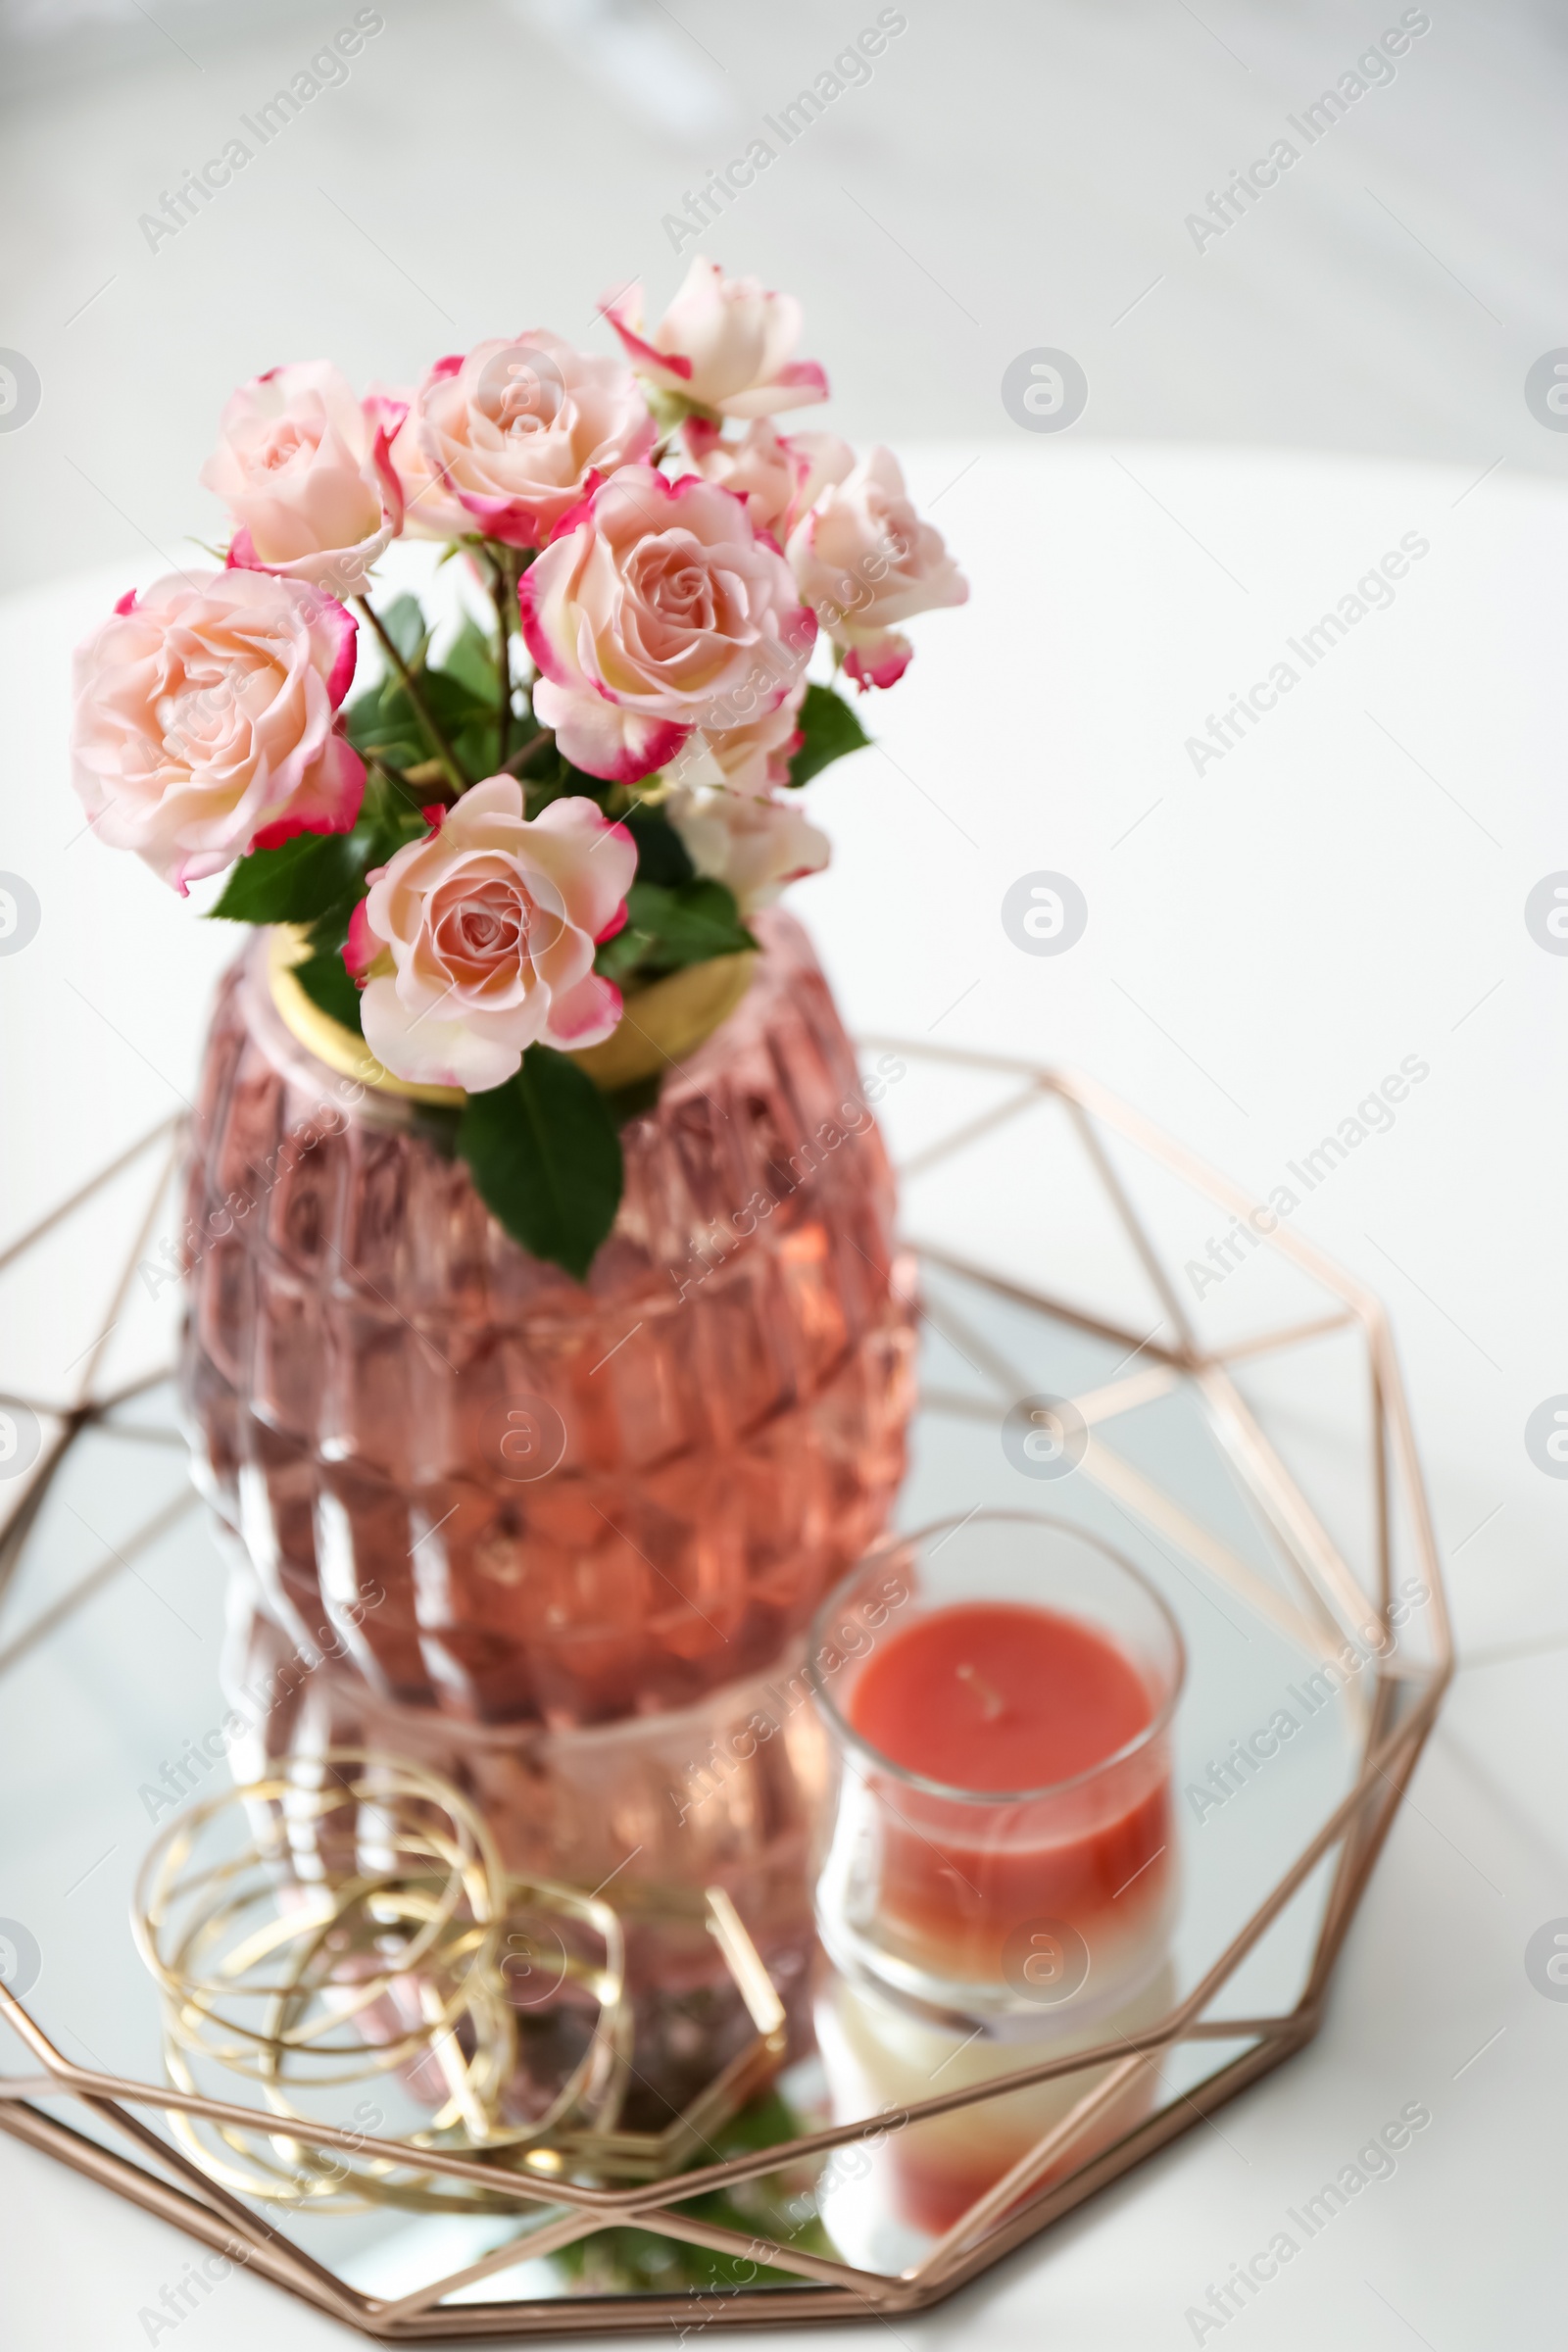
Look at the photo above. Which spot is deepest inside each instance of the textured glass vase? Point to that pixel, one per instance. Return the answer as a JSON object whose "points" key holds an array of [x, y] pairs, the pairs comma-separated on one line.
{"points": [[508, 1496]]}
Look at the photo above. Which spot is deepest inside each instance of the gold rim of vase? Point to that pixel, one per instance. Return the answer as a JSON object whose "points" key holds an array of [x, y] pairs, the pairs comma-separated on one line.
{"points": [[663, 1023]]}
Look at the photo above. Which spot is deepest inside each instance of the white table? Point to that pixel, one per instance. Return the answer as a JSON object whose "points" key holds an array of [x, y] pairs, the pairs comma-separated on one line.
{"points": [[1342, 890]]}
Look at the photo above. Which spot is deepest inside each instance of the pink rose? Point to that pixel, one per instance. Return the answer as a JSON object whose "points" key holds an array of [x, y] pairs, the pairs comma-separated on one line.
{"points": [[660, 610], [204, 720], [429, 510], [753, 844], [479, 939], [305, 471], [865, 560], [518, 432], [780, 478], [723, 344], [752, 759]]}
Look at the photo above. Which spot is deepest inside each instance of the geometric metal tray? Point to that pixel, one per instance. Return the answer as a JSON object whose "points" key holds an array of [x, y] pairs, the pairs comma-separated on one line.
{"points": [[1243, 1436]]}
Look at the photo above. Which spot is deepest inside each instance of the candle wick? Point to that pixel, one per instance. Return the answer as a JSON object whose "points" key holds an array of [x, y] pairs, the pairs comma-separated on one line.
{"points": [[991, 1701]]}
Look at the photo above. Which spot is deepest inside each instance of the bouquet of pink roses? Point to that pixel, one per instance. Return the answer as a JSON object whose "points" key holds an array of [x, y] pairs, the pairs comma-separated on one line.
{"points": [[488, 852]]}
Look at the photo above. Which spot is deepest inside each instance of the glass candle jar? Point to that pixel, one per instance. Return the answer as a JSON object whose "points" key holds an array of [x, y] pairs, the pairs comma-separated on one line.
{"points": [[999, 1840], [880, 2060]]}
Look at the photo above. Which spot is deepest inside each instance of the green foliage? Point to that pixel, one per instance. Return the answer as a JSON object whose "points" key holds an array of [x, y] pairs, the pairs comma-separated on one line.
{"points": [[831, 729], [382, 723], [546, 1160], [321, 875], [294, 883], [662, 855], [668, 928], [324, 978], [466, 720], [471, 658], [317, 880], [403, 623], [632, 2260], [461, 696]]}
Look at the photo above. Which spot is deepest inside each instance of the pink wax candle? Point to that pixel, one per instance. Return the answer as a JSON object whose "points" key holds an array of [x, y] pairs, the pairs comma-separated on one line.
{"points": [[995, 1697], [1003, 1827]]}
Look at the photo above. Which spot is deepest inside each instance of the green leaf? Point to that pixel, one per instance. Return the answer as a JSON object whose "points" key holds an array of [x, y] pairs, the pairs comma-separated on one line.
{"points": [[662, 855], [320, 874], [404, 623], [471, 658], [453, 704], [690, 923], [329, 935], [389, 817], [628, 2259], [546, 1160], [668, 929], [324, 978], [461, 696], [386, 725], [293, 883], [466, 720], [831, 729], [380, 724], [474, 751]]}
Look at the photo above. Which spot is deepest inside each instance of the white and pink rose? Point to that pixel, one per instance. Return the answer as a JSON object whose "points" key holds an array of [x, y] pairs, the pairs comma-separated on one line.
{"points": [[725, 345], [655, 611], [754, 760], [780, 476], [205, 720], [864, 561], [477, 940], [305, 471], [506, 440], [726, 795], [753, 843]]}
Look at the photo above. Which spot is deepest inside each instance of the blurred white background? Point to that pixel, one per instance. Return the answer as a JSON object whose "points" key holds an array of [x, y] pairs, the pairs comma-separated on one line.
{"points": [[1009, 175]]}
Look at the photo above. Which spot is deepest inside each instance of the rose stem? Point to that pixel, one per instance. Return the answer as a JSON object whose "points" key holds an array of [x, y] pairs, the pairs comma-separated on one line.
{"points": [[522, 760], [422, 712], [395, 777], [504, 588]]}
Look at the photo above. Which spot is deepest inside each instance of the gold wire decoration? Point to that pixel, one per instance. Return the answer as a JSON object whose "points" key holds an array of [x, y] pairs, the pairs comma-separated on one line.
{"points": [[347, 1920]]}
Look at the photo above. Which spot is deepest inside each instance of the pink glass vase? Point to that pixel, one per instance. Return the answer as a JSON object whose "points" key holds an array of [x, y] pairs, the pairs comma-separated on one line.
{"points": [[507, 1496]]}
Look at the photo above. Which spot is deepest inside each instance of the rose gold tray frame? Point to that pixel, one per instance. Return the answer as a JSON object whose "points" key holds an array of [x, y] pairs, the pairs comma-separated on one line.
{"points": [[1402, 1706]]}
